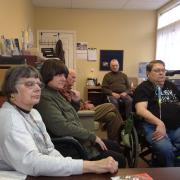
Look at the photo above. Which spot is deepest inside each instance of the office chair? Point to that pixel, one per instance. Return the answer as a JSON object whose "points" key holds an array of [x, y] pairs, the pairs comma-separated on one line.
{"points": [[69, 146]]}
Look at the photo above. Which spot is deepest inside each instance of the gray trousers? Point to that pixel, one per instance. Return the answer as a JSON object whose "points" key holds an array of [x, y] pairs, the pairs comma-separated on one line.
{"points": [[127, 104]]}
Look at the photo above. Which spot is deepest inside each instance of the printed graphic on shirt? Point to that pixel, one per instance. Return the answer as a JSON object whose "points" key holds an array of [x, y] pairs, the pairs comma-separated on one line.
{"points": [[166, 96]]}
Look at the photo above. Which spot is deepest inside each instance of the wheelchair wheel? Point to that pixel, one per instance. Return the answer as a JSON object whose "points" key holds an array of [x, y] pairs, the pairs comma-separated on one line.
{"points": [[132, 152]]}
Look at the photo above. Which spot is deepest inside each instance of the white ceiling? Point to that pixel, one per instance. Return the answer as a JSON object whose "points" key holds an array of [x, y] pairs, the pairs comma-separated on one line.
{"points": [[103, 4]]}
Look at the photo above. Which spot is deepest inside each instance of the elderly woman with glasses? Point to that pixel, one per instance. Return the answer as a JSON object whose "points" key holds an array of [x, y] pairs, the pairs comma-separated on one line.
{"points": [[61, 118], [25, 145]]}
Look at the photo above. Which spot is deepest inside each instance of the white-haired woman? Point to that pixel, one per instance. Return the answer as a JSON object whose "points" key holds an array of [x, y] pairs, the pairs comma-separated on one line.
{"points": [[25, 145]]}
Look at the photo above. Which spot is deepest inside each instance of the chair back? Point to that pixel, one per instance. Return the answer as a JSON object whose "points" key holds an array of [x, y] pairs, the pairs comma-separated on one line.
{"points": [[69, 146]]}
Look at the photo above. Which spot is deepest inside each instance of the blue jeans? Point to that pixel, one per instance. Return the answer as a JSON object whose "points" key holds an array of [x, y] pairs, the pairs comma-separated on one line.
{"points": [[165, 148]]}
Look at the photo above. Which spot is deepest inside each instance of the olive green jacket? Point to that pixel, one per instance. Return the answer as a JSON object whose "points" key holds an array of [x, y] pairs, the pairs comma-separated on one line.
{"points": [[60, 117]]}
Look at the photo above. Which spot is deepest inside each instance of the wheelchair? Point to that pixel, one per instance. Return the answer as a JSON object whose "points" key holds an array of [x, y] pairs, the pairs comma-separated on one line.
{"points": [[141, 148], [135, 142], [145, 149], [130, 141], [69, 146], [129, 136]]}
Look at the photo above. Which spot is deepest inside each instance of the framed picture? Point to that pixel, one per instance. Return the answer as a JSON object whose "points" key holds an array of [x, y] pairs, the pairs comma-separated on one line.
{"points": [[142, 69], [107, 55]]}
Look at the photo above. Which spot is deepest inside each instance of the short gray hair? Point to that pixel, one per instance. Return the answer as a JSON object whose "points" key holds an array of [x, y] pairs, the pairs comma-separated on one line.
{"points": [[13, 75]]}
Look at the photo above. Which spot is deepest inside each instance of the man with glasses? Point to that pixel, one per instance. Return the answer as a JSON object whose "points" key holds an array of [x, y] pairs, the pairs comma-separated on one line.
{"points": [[158, 101]]}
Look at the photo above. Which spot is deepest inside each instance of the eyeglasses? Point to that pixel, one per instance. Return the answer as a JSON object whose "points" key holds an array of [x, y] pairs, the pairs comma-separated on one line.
{"points": [[32, 84], [159, 70]]}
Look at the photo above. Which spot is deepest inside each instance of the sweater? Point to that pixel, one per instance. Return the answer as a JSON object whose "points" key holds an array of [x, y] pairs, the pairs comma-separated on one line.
{"points": [[115, 82], [25, 146]]}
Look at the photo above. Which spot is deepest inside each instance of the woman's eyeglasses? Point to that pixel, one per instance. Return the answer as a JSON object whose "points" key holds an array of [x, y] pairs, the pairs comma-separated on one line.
{"points": [[32, 84]]}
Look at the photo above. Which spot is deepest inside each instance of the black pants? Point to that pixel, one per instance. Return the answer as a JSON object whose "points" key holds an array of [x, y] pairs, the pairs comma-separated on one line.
{"points": [[114, 150]]}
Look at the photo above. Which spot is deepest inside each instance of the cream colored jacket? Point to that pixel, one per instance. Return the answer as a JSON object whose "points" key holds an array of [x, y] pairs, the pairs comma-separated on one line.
{"points": [[22, 146]]}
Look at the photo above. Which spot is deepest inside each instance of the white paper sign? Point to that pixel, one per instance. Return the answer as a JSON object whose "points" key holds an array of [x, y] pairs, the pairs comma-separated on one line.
{"points": [[92, 54]]}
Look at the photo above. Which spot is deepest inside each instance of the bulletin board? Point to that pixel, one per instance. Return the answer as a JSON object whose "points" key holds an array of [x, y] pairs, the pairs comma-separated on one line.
{"points": [[107, 55]]}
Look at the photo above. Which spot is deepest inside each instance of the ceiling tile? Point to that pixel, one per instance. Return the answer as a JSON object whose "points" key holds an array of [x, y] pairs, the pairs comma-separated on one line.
{"points": [[103, 4]]}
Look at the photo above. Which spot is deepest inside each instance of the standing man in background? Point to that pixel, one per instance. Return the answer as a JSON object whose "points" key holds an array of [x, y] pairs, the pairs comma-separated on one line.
{"points": [[116, 86]]}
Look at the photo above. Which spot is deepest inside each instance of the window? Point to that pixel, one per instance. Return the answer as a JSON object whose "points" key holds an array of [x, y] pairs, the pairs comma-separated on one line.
{"points": [[168, 38], [169, 17]]}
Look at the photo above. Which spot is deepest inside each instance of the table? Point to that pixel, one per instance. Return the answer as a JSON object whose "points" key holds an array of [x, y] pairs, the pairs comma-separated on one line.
{"points": [[171, 173]]}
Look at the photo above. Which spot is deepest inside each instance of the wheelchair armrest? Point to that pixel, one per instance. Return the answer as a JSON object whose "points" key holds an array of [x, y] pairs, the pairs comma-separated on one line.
{"points": [[64, 143], [66, 139], [87, 119], [82, 113]]}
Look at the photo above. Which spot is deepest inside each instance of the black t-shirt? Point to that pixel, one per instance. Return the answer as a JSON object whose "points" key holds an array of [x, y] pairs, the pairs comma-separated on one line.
{"points": [[169, 108]]}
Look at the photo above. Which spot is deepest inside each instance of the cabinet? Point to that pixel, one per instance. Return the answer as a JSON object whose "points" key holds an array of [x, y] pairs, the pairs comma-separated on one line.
{"points": [[95, 95]]}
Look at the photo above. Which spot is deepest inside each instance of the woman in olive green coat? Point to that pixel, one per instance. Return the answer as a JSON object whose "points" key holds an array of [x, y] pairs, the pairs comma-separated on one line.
{"points": [[61, 118]]}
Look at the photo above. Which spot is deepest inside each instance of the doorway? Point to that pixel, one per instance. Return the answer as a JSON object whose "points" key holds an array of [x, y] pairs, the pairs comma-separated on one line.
{"points": [[49, 38]]}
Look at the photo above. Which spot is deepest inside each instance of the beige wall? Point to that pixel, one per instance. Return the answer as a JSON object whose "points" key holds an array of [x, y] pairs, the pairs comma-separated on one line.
{"points": [[15, 16], [131, 31]]}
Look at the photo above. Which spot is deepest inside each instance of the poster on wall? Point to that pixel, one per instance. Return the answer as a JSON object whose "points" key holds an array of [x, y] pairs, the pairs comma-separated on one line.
{"points": [[82, 50], [92, 54], [107, 55]]}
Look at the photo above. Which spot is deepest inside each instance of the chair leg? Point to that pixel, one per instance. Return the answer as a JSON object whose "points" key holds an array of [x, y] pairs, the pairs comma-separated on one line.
{"points": [[146, 156]]}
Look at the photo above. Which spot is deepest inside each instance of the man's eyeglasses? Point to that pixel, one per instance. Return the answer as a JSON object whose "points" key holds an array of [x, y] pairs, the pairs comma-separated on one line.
{"points": [[32, 84], [159, 70]]}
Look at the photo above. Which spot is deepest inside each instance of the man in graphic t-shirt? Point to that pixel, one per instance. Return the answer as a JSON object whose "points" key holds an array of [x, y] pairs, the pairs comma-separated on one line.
{"points": [[158, 102]]}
